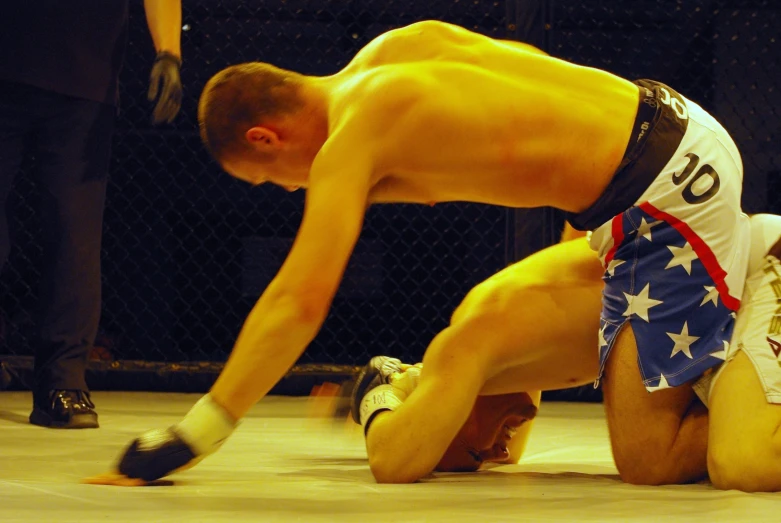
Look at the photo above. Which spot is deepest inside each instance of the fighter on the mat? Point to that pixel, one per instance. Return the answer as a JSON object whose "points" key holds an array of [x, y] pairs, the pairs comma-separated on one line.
{"points": [[432, 112], [752, 363], [496, 430]]}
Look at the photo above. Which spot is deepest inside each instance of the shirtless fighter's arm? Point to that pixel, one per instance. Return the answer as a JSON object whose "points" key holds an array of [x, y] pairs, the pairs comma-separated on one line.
{"points": [[285, 319], [289, 314]]}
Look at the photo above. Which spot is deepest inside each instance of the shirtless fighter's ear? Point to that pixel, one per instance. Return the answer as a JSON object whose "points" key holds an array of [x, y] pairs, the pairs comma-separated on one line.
{"points": [[262, 138]]}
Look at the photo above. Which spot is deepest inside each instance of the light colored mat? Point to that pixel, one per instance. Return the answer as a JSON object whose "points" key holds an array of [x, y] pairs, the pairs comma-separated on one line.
{"points": [[281, 465]]}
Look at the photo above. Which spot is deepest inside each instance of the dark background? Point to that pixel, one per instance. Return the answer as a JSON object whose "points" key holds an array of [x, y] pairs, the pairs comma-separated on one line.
{"points": [[188, 250]]}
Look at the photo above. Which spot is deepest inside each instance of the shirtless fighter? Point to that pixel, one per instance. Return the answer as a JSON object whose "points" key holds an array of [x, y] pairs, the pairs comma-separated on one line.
{"points": [[432, 112]]}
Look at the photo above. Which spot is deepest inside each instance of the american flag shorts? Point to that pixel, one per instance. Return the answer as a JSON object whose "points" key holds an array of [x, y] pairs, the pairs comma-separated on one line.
{"points": [[675, 261]]}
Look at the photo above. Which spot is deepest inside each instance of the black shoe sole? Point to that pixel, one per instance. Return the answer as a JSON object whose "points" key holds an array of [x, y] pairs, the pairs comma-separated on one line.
{"points": [[77, 421]]}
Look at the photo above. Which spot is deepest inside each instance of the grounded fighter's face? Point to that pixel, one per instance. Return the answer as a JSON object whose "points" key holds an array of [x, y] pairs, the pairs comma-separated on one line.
{"points": [[487, 432]]}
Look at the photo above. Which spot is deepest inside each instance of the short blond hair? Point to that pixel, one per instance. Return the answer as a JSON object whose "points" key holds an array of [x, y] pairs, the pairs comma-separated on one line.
{"points": [[240, 97]]}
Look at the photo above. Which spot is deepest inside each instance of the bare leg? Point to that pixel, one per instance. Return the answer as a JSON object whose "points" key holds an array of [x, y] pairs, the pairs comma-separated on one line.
{"points": [[744, 444], [657, 438], [528, 314], [744, 450]]}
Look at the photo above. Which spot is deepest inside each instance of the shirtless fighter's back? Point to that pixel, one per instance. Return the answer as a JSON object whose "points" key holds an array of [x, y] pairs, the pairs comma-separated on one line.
{"points": [[444, 114]]}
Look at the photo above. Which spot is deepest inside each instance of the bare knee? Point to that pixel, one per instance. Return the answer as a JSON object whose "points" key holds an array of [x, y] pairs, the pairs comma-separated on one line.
{"points": [[668, 453], [643, 468], [726, 468], [734, 465], [721, 474]]}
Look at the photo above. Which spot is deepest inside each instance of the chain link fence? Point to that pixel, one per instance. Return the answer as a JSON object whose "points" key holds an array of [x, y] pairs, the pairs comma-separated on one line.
{"points": [[188, 249]]}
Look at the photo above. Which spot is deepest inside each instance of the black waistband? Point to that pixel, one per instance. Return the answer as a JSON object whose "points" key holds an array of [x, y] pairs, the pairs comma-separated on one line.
{"points": [[656, 134]]}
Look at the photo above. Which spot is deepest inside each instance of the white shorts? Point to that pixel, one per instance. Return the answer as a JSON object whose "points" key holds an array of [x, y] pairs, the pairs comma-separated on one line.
{"points": [[758, 327]]}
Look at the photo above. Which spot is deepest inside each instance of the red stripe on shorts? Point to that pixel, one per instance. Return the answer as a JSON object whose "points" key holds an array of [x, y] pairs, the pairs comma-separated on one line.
{"points": [[617, 231], [706, 256]]}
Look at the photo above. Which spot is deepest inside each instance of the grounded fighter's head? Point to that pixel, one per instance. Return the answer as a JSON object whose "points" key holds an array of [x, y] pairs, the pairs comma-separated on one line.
{"points": [[488, 432]]}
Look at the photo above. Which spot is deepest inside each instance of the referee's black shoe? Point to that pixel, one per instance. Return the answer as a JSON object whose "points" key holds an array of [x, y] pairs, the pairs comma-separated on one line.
{"points": [[65, 409]]}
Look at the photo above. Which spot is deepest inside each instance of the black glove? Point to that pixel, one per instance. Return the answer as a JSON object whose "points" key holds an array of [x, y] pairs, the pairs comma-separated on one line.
{"points": [[383, 384], [156, 454], [165, 71]]}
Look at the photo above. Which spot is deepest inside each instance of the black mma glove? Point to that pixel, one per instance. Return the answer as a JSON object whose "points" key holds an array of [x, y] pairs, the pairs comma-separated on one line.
{"points": [[158, 453], [165, 71]]}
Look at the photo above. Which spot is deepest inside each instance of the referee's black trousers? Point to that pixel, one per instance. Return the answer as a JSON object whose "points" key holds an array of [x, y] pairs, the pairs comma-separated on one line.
{"points": [[70, 141]]}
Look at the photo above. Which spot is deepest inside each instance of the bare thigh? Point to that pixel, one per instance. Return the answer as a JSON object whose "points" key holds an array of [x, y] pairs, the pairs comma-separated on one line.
{"points": [[744, 442], [658, 437]]}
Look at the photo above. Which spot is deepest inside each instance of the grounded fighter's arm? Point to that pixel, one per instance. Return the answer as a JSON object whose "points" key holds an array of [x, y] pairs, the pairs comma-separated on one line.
{"points": [[510, 323], [518, 443]]}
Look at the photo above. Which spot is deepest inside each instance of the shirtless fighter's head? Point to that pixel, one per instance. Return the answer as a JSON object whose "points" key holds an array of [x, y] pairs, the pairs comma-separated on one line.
{"points": [[264, 124]]}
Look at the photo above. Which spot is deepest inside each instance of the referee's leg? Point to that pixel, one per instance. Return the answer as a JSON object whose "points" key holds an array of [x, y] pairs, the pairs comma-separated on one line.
{"points": [[74, 149]]}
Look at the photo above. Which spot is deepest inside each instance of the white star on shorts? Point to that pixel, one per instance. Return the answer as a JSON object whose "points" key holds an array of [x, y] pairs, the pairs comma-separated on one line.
{"points": [[683, 341], [640, 303], [682, 256], [611, 267], [711, 295], [662, 385], [722, 354], [602, 340], [644, 230]]}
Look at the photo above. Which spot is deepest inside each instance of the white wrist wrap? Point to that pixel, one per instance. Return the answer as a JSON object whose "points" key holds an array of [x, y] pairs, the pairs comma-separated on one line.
{"points": [[206, 426], [376, 400]]}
